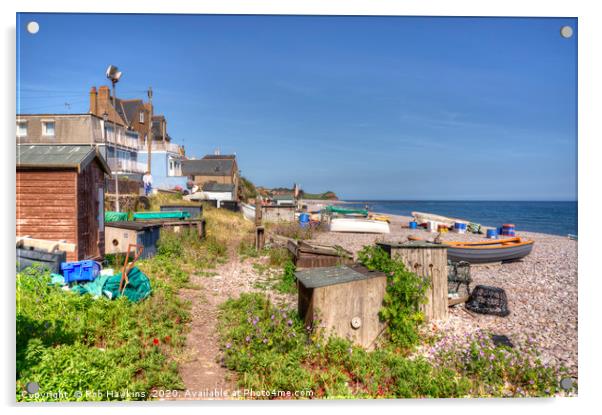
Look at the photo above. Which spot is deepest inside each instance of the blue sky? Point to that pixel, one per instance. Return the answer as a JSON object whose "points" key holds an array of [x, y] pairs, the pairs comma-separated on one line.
{"points": [[369, 107]]}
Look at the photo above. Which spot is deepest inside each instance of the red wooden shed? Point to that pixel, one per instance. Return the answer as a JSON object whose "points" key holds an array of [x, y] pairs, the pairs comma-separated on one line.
{"points": [[60, 196]]}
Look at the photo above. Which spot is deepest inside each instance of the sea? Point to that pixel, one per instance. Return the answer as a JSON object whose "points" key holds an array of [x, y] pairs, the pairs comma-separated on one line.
{"points": [[557, 218]]}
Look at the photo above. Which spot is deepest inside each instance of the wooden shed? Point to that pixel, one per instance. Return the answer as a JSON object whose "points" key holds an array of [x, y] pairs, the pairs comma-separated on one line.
{"points": [[346, 300], [60, 196], [428, 260]]}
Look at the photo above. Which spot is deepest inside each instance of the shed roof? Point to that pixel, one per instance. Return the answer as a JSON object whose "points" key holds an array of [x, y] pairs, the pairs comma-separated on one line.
{"points": [[208, 167], [52, 156], [326, 276], [283, 197], [217, 187]]}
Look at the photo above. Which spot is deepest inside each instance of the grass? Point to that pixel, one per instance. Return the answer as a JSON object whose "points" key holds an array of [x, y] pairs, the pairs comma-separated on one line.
{"points": [[76, 344]]}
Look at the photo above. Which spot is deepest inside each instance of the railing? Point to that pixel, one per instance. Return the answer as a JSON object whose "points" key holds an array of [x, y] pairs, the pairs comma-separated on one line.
{"points": [[127, 166], [161, 146]]}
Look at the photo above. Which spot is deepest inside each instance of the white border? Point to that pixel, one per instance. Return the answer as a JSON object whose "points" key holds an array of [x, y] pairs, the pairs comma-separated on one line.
{"points": [[590, 201]]}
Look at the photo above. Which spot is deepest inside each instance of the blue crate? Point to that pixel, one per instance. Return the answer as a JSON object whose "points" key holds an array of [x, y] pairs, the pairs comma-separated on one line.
{"points": [[80, 271]]}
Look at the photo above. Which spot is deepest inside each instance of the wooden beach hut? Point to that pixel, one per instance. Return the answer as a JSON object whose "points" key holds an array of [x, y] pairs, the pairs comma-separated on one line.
{"points": [[60, 196]]}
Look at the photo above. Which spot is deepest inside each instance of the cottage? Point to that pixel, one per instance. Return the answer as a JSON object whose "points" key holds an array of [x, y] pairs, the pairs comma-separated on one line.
{"points": [[60, 196], [221, 169]]}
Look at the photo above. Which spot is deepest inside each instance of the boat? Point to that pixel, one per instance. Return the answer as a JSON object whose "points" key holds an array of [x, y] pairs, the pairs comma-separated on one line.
{"points": [[421, 217], [500, 250], [358, 225], [346, 211], [248, 211], [572, 237]]}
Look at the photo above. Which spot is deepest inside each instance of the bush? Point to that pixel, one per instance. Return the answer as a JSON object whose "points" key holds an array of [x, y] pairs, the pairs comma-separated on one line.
{"points": [[405, 292]]}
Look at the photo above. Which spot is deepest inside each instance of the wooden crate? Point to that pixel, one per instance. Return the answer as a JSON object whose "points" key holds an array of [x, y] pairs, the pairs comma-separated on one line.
{"points": [[310, 255], [345, 299], [430, 261]]}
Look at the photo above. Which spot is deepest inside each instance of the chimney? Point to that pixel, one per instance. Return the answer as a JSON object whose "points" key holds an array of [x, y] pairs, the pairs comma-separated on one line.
{"points": [[104, 99], [93, 101]]}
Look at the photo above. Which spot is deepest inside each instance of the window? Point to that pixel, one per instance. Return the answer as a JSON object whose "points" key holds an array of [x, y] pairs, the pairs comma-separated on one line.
{"points": [[48, 128], [141, 117], [21, 128]]}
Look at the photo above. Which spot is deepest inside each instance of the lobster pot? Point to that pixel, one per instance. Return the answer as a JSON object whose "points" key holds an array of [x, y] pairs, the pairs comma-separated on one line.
{"points": [[427, 260], [492, 233], [485, 299]]}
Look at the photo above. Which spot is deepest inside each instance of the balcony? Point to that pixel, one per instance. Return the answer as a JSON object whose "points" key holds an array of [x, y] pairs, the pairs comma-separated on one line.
{"points": [[127, 166], [166, 146]]}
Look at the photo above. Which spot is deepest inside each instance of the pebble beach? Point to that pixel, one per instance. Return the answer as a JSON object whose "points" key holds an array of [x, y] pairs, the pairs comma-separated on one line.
{"points": [[541, 290]]}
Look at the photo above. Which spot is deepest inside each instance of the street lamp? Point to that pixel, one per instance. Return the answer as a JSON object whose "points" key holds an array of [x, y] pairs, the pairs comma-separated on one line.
{"points": [[113, 74]]}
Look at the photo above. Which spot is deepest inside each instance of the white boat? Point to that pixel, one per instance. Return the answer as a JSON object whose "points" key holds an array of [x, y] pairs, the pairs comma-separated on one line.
{"points": [[248, 211], [421, 217], [358, 225]]}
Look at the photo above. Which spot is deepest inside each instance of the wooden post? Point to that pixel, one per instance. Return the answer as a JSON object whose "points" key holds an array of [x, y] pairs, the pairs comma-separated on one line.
{"points": [[259, 237], [259, 229]]}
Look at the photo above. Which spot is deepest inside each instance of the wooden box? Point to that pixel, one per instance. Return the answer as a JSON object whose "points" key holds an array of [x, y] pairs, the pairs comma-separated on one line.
{"points": [[345, 300], [430, 261], [310, 255]]}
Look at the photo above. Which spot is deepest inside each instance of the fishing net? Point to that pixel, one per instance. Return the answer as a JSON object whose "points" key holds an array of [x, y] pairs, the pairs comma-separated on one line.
{"points": [[485, 299], [115, 216]]}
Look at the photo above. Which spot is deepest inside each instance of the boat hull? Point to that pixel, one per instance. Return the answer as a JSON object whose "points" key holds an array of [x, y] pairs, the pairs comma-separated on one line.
{"points": [[248, 211], [421, 217], [483, 255], [358, 225]]}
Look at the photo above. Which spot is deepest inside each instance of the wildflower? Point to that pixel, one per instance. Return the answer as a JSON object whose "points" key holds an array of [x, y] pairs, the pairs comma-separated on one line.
{"points": [[156, 341], [272, 317], [531, 382], [228, 345], [481, 353], [491, 356], [350, 350], [167, 339], [289, 322], [265, 340], [248, 339]]}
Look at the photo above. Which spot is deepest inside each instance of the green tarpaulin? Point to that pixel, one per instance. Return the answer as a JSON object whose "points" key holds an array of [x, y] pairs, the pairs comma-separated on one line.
{"points": [[343, 211], [176, 214], [115, 216], [137, 289]]}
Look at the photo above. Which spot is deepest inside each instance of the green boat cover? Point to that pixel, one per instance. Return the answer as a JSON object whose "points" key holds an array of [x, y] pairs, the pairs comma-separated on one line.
{"points": [[344, 211], [176, 214], [137, 289], [115, 216]]}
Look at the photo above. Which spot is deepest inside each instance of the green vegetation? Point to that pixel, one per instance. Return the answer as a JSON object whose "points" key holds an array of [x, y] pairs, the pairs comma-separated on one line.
{"points": [[271, 350], [405, 292], [328, 195], [72, 343], [246, 189]]}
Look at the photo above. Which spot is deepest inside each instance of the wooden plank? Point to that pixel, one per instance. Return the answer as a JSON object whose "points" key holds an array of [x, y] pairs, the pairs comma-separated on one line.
{"points": [[455, 301]]}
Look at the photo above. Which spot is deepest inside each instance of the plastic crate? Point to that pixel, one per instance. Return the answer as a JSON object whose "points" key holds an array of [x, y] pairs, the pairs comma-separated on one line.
{"points": [[80, 271]]}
